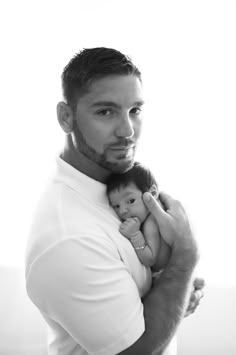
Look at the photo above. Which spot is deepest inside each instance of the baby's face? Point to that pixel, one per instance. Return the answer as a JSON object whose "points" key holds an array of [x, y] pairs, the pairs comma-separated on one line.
{"points": [[127, 202]]}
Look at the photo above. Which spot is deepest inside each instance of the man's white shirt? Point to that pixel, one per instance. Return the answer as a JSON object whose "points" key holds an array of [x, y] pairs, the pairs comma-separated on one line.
{"points": [[81, 273]]}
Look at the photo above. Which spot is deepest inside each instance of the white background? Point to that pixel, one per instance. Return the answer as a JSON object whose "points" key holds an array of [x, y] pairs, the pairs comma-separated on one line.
{"points": [[186, 51]]}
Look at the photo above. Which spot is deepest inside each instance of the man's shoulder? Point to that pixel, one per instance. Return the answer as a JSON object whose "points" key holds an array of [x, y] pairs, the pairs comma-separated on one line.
{"points": [[69, 258]]}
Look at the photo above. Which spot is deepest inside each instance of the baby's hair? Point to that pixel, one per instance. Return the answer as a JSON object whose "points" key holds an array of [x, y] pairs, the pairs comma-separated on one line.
{"points": [[138, 174]]}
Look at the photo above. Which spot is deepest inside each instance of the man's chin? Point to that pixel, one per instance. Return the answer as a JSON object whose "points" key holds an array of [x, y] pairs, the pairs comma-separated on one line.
{"points": [[119, 166]]}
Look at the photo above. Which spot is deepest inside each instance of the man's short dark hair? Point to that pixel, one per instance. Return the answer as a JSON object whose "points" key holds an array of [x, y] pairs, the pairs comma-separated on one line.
{"points": [[141, 176], [89, 65]]}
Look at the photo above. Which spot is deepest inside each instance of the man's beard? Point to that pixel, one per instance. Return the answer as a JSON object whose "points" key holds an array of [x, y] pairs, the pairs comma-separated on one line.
{"points": [[100, 159]]}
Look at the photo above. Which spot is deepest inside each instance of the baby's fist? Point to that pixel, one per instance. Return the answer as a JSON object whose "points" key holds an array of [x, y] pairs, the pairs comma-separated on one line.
{"points": [[130, 227]]}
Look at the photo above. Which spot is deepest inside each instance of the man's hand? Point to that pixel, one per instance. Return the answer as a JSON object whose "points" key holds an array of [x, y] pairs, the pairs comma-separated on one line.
{"points": [[130, 227], [196, 296], [173, 224]]}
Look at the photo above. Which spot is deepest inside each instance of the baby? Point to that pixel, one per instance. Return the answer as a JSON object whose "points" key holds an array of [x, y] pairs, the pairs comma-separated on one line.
{"points": [[125, 196]]}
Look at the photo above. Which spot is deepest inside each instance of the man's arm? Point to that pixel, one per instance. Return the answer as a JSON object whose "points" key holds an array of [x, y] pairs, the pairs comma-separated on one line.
{"points": [[166, 303]]}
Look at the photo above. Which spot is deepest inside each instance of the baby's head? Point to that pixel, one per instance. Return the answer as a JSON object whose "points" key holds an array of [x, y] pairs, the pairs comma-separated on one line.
{"points": [[125, 192]]}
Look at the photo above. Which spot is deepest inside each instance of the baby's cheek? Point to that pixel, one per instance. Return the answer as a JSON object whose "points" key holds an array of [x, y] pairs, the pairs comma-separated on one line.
{"points": [[142, 214], [145, 212]]}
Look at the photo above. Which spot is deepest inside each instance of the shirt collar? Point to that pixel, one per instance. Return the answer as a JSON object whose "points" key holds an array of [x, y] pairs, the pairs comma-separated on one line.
{"points": [[86, 186]]}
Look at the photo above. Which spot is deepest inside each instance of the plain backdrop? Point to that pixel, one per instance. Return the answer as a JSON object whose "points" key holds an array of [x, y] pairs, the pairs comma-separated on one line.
{"points": [[186, 51]]}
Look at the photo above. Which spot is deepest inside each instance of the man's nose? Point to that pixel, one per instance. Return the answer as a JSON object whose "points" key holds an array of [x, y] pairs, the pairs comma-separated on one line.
{"points": [[125, 128]]}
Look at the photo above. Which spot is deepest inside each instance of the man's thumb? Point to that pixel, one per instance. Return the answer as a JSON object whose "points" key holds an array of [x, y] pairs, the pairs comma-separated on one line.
{"points": [[153, 206]]}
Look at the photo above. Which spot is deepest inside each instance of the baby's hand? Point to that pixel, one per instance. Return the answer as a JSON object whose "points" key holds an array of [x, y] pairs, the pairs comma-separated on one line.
{"points": [[130, 227]]}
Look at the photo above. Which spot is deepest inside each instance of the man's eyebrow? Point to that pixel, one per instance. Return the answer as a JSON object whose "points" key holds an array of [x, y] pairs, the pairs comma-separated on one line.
{"points": [[139, 103], [113, 104], [105, 103]]}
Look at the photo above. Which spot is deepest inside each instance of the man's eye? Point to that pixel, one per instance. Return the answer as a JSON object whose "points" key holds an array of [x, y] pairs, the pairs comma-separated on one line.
{"points": [[131, 201], [136, 111], [105, 112]]}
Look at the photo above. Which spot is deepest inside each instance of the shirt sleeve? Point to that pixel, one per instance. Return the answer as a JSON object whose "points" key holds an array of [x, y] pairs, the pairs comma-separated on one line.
{"points": [[83, 285]]}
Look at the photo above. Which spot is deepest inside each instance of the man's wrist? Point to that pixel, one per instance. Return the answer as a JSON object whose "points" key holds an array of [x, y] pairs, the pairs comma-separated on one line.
{"points": [[185, 257]]}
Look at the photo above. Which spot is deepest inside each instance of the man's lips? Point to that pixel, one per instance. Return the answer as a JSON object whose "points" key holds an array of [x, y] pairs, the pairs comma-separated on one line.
{"points": [[121, 147]]}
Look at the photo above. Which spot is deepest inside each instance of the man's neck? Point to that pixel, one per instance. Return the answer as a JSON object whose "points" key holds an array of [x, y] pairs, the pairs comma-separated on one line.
{"points": [[84, 165]]}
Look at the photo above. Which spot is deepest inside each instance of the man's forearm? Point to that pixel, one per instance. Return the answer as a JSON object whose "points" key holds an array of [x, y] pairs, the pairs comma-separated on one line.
{"points": [[165, 305]]}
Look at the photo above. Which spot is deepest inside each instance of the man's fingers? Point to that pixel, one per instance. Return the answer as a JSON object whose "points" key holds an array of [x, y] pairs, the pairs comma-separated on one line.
{"points": [[196, 296], [153, 206], [194, 301], [166, 200], [199, 283]]}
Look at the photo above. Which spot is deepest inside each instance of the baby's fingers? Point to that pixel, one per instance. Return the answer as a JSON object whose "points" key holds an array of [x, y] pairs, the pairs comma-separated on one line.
{"points": [[136, 219]]}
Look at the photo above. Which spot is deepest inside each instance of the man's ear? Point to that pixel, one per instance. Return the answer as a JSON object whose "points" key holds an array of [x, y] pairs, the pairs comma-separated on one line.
{"points": [[65, 117], [154, 191]]}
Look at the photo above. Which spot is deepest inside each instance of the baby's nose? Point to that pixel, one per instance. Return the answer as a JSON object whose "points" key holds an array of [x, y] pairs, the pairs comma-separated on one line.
{"points": [[123, 212]]}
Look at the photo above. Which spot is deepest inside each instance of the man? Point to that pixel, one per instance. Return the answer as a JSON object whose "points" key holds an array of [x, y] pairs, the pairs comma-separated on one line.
{"points": [[82, 274]]}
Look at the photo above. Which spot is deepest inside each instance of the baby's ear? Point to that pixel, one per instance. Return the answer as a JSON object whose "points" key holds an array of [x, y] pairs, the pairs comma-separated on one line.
{"points": [[154, 191]]}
